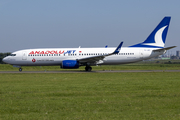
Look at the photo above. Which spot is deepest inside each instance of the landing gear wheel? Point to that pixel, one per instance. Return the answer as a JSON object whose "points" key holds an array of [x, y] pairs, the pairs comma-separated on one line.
{"points": [[88, 68], [20, 69]]}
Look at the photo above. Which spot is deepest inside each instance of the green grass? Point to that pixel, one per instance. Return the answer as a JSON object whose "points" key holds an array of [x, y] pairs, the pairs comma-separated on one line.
{"points": [[90, 96], [150, 65]]}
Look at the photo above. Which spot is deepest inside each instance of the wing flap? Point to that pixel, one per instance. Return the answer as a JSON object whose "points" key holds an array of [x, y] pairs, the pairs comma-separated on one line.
{"points": [[92, 59]]}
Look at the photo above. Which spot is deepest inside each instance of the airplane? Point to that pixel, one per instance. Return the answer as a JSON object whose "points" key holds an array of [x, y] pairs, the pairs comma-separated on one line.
{"points": [[73, 58]]}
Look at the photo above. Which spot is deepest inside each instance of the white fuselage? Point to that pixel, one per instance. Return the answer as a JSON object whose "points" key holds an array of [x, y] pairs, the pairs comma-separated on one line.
{"points": [[55, 56], [71, 58]]}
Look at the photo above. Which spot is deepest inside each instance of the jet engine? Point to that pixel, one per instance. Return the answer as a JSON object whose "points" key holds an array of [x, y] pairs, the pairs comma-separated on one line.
{"points": [[70, 64]]}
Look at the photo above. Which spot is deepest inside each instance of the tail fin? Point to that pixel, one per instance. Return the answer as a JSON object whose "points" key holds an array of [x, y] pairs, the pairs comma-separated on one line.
{"points": [[157, 38]]}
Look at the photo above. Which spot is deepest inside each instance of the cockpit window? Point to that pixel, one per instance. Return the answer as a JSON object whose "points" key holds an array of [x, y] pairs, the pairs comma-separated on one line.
{"points": [[12, 55]]}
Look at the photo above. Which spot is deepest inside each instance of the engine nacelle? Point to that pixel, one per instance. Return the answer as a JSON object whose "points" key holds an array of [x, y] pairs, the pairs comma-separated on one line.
{"points": [[70, 64]]}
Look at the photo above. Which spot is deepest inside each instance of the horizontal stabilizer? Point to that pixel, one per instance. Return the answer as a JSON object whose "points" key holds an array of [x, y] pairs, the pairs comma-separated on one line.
{"points": [[164, 48]]}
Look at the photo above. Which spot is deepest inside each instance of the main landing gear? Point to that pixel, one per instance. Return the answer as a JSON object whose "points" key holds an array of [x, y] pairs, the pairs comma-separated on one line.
{"points": [[88, 68], [20, 69]]}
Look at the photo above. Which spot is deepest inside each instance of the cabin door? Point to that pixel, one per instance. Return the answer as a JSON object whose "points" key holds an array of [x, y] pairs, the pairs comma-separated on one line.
{"points": [[24, 56]]}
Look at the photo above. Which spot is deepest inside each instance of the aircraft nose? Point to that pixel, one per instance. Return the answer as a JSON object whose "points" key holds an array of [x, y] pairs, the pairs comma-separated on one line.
{"points": [[5, 60]]}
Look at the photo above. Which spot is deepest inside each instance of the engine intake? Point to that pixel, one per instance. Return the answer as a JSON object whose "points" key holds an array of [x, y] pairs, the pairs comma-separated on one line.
{"points": [[70, 64]]}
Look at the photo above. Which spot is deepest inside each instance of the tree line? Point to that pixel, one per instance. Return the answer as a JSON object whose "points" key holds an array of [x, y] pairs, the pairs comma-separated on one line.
{"points": [[2, 55]]}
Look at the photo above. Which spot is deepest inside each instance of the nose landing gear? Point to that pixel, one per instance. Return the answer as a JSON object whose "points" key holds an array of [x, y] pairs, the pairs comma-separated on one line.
{"points": [[20, 69], [17, 66]]}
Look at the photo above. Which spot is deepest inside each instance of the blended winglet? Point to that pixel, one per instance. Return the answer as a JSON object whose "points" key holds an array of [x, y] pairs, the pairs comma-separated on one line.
{"points": [[100, 57], [118, 48]]}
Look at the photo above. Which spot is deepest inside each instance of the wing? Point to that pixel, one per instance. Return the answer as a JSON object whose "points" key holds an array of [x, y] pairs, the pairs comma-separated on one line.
{"points": [[100, 57]]}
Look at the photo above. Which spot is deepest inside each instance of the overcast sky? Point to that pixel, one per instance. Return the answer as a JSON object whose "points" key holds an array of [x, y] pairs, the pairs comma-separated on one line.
{"points": [[87, 23]]}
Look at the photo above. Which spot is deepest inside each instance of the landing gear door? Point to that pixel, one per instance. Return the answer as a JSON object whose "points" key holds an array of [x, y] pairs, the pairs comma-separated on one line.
{"points": [[24, 56]]}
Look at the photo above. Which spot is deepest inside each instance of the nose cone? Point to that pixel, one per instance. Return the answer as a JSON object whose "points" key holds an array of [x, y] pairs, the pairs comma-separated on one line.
{"points": [[5, 60]]}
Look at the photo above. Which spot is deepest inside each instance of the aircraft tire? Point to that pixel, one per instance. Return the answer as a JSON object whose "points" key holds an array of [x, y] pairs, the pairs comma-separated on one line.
{"points": [[20, 69], [88, 68]]}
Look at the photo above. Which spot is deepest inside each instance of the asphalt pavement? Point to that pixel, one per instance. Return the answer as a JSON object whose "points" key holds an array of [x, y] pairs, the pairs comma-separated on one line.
{"points": [[105, 71]]}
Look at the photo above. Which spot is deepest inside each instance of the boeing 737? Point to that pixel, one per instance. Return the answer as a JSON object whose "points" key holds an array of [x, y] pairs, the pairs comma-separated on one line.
{"points": [[72, 58]]}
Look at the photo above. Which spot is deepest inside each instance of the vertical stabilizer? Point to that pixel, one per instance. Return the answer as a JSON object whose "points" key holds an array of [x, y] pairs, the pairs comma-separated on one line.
{"points": [[157, 38]]}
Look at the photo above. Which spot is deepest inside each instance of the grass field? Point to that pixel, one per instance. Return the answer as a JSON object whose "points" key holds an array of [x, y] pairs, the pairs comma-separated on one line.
{"points": [[149, 65], [90, 96]]}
